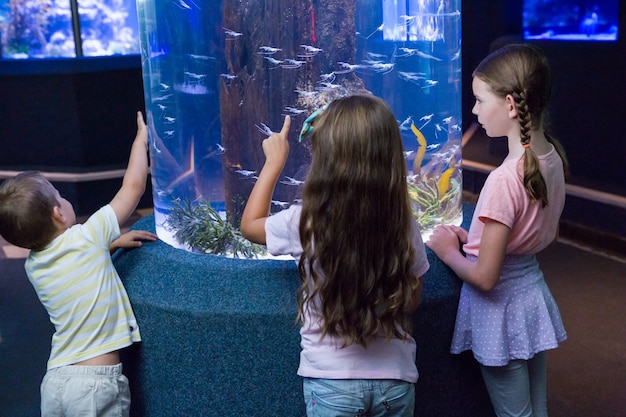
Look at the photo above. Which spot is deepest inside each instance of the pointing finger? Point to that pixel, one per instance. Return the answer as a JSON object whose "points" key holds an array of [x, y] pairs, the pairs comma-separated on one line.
{"points": [[286, 126]]}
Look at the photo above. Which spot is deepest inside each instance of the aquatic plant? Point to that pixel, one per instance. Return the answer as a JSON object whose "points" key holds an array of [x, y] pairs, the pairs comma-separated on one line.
{"points": [[202, 228], [431, 208]]}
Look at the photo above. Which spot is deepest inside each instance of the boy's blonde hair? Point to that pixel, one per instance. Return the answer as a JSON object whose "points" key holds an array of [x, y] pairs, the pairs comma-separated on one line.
{"points": [[26, 205]]}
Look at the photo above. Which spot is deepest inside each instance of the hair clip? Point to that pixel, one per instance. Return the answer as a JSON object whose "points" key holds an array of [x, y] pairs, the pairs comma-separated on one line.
{"points": [[307, 126]]}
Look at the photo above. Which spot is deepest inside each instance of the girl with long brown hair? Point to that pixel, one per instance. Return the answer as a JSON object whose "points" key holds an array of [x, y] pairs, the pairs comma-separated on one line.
{"points": [[360, 257]]}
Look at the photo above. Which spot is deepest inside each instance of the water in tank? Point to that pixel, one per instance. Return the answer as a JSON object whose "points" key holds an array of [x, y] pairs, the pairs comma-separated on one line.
{"points": [[219, 76]]}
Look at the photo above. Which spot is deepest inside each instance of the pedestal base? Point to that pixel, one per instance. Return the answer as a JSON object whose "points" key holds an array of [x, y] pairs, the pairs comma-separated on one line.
{"points": [[220, 337]]}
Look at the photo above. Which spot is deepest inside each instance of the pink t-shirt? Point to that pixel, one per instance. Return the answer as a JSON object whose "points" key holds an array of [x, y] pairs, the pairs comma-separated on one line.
{"points": [[383, 358], [504, 199]]}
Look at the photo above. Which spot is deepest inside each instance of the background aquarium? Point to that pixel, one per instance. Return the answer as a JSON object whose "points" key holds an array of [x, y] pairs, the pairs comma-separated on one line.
{"points": [[219, 76], [67, 28], [571, 20]]}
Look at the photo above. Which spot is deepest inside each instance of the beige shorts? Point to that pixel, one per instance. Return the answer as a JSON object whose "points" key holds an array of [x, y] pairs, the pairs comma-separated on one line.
{"points": [[100, 391]]}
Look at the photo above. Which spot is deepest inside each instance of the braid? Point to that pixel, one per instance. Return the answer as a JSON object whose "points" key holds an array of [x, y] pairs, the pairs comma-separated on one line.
{"points": [[523, 116], [534, 183]]}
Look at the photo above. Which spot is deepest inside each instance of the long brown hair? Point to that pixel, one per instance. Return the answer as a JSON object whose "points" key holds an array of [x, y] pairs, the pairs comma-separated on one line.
{"points": [[355, 226], [522, 71]]}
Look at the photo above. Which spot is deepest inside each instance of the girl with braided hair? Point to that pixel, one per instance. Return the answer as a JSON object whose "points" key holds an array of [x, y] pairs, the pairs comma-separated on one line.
{"points": [[507, 316]]}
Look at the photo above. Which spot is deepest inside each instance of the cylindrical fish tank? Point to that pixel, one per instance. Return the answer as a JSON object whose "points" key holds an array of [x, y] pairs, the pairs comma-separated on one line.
{"points": [[220, 75]]}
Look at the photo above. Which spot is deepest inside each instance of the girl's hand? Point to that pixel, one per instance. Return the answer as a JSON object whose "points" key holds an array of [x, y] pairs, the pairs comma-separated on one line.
{"points": [[444, 240], [257, 210], [276, 147], [460, 232]]}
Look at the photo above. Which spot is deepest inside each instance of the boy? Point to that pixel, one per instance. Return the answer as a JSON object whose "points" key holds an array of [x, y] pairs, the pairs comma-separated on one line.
{"points": [[70, 267]]}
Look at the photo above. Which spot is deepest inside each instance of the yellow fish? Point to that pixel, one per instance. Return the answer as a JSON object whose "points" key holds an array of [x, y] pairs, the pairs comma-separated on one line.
{"points": [[443, 184], [421, 150]]}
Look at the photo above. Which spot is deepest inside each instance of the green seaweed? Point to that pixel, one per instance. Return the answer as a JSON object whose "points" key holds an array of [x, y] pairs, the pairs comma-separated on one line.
{"points": [[429, 208], [200, 227]]}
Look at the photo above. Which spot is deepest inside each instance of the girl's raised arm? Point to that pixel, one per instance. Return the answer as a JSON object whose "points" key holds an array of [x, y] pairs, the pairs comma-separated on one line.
{"points": [[276, 150]]}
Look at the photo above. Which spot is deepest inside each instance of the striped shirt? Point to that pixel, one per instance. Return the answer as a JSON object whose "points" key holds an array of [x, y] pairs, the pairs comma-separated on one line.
{"points": [[78, 285]]}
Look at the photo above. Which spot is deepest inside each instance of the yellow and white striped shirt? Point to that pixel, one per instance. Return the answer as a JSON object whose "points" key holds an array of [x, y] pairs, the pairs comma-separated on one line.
{"points": [[78, 285]]}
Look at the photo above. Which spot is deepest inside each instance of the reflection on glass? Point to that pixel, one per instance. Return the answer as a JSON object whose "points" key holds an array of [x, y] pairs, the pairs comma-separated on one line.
{"points": [[36, 29], [108, 27], [571, 20], [43, 28]]}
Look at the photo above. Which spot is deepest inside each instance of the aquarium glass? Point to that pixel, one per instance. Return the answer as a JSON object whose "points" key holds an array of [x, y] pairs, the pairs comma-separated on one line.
{"points": [[571, 20], [44, 28], [219, 76]]}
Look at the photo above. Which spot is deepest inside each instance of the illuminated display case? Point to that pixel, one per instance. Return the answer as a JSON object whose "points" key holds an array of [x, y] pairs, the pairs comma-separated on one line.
{"points": [[220, 75], [36, 29]]}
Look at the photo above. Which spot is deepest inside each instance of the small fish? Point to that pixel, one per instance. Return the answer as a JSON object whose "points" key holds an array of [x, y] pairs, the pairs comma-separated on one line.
{"points": [[405, 123], [348, 67], [304, 93], [162, 98], [194, 76], [232, 33], [263, 128], [245, 172], [294, 110], [291, 181], [269, 50], [182, 4], [329, 77], [201, 57], [311, 49], [426, 119], [281, 204], [384, 67], [291, 63], [273, 61]]}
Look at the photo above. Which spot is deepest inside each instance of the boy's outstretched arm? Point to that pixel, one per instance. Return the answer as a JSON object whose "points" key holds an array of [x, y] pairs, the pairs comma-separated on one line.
{"points": [[134, 182], [276, 150]]}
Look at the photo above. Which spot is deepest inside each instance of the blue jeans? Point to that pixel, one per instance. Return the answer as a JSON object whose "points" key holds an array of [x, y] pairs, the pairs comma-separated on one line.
{"points": [[358, 397], [519, 388]]}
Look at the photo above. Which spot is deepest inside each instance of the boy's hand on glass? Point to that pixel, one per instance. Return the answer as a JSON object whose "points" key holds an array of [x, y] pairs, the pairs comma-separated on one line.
{"points": [[142, 130], [132, 239]]}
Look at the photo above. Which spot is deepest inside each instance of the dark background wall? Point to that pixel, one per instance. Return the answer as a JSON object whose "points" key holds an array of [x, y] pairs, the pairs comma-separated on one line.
{"points": [[79, 117], [587, 112]]}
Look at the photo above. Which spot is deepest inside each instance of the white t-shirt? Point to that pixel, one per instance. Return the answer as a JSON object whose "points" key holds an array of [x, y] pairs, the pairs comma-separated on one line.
{"points": [[324, 358]]}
